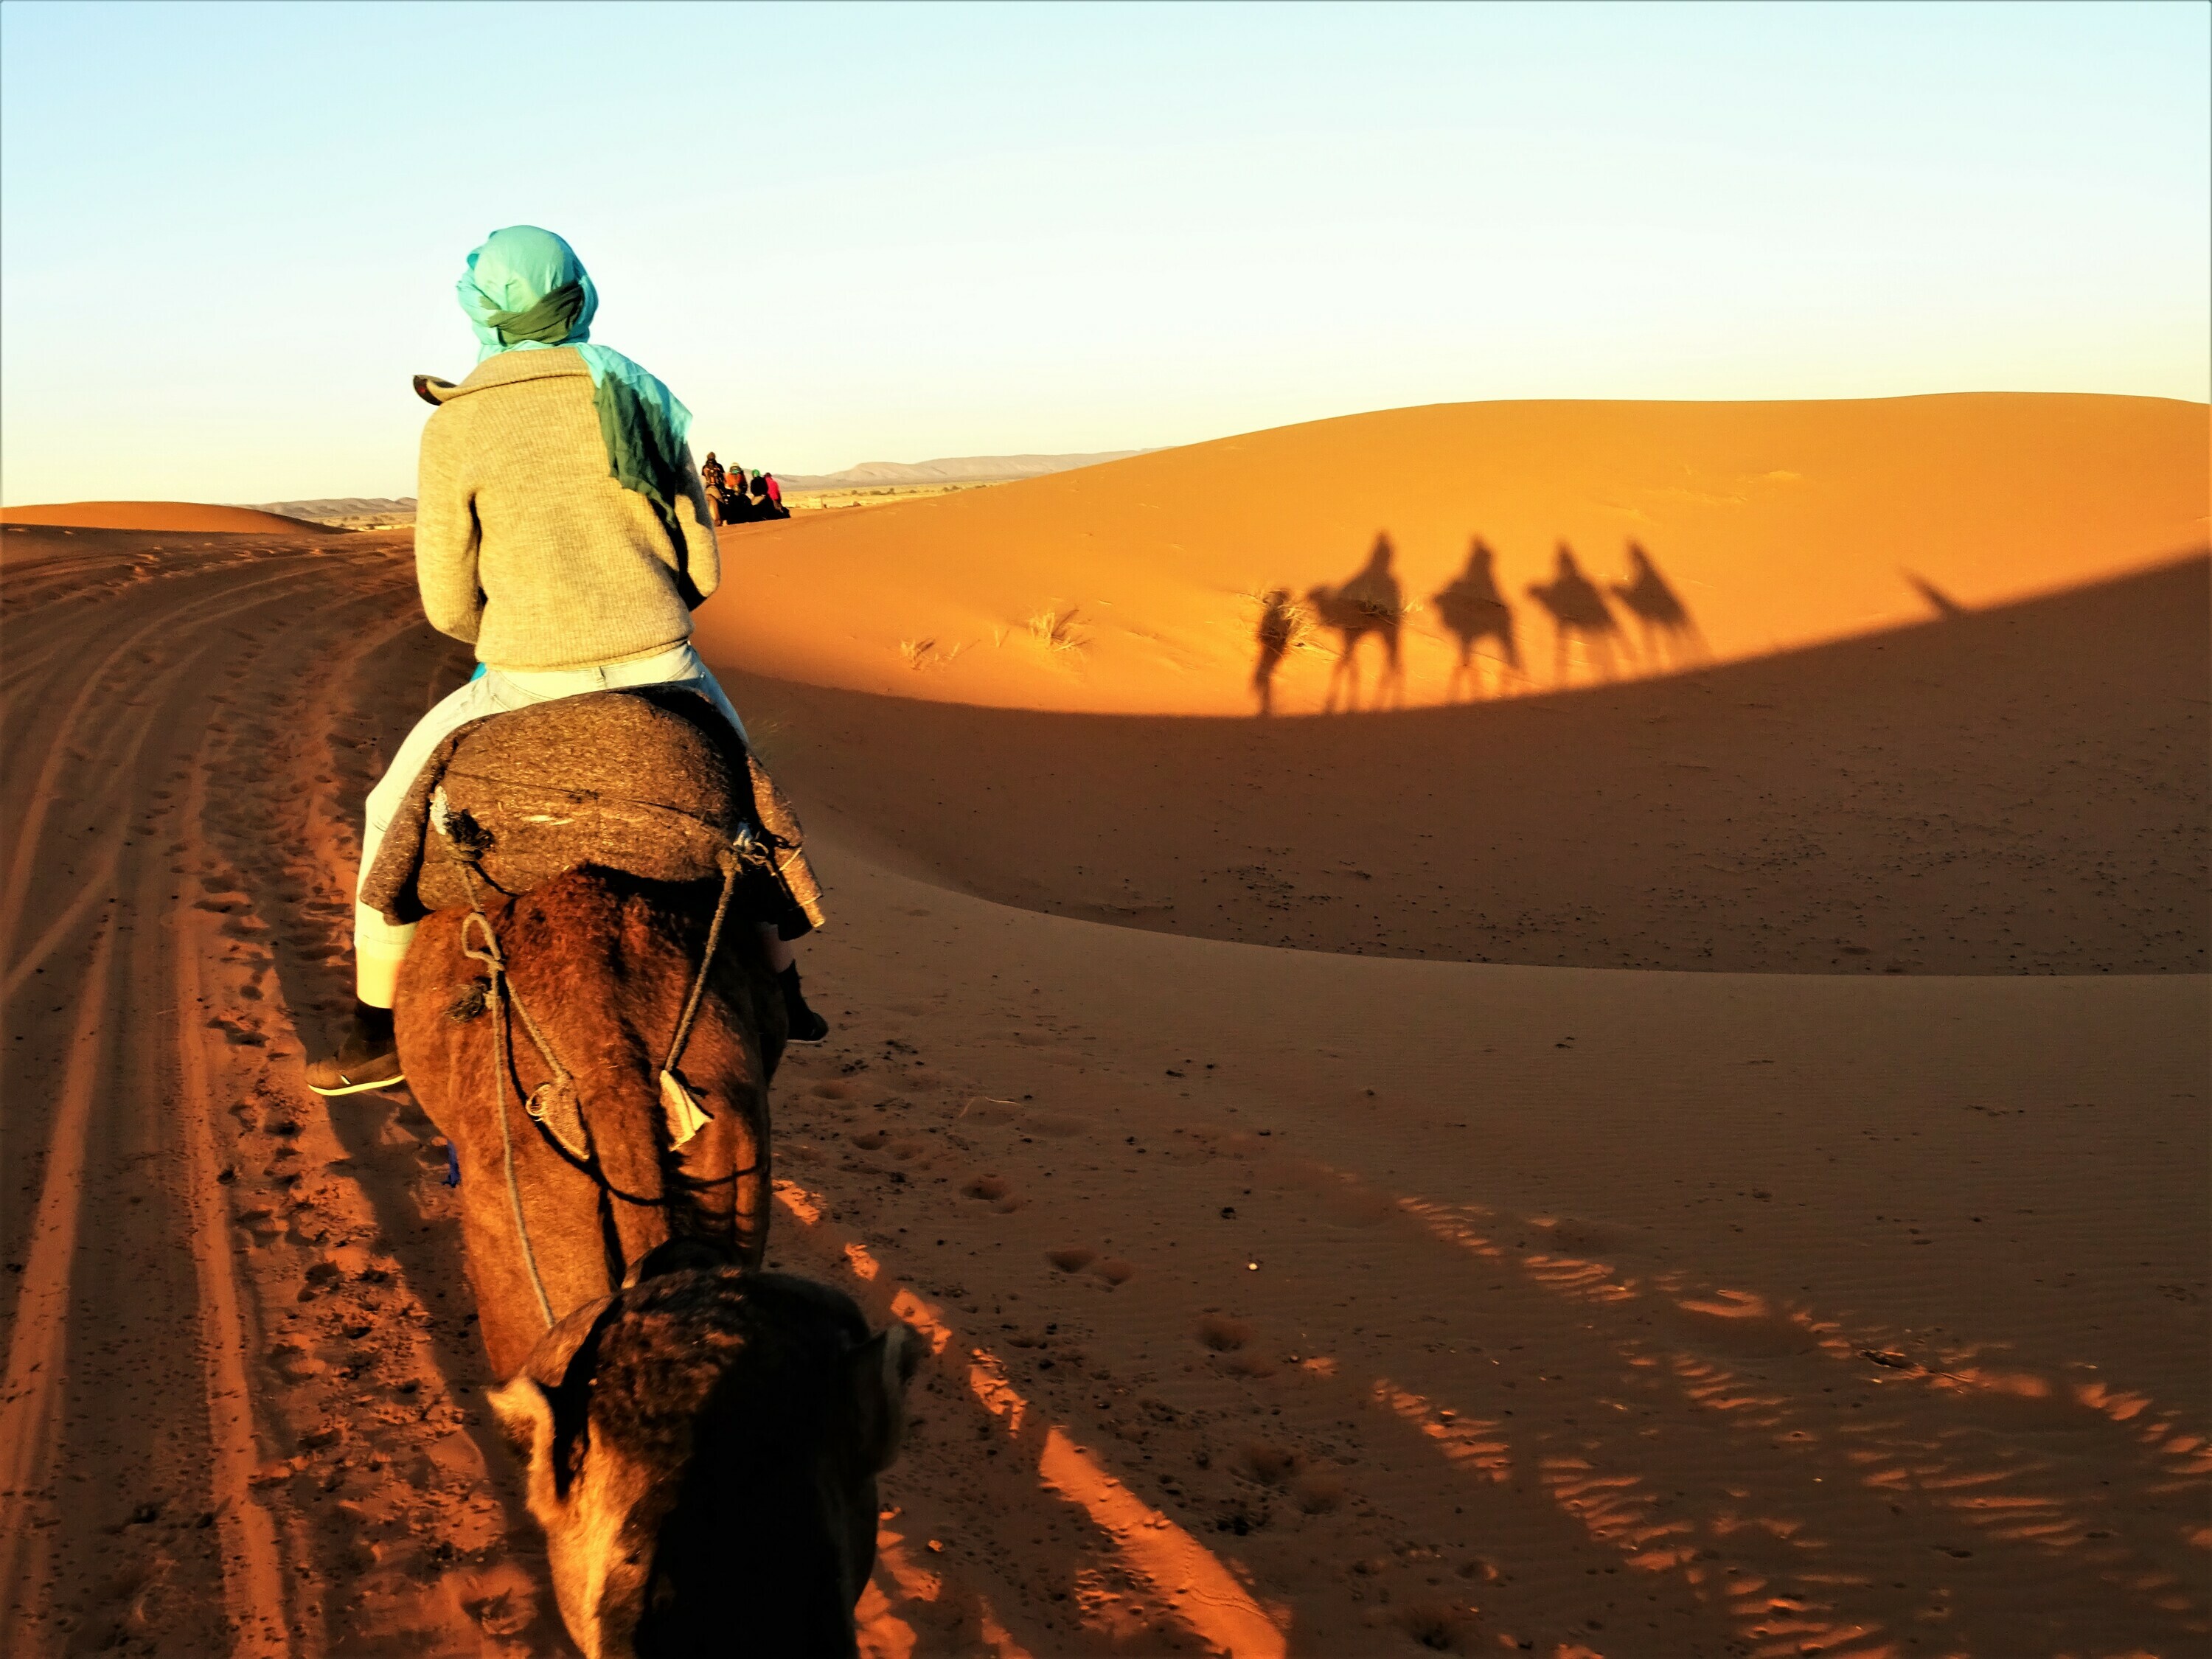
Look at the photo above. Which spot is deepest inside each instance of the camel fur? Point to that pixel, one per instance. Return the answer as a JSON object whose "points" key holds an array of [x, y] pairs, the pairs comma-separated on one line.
{"points": [[603, 961], [701, 1449]]}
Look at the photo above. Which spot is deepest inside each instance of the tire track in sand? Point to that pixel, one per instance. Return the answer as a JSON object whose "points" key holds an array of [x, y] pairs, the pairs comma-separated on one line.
{"points": [[252, 1568], [30, 1406], [133, 1425]]}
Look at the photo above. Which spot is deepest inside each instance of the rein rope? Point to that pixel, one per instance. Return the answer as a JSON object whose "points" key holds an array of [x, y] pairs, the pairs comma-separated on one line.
{"points": [[490, 957]]}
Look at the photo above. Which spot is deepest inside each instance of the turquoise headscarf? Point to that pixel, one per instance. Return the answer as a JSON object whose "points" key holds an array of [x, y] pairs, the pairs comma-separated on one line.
{"points": [[525, 290]]}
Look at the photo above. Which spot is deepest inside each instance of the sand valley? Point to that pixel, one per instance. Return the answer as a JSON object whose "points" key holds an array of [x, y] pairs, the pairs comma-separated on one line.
{"points": [[1705, 1161]]}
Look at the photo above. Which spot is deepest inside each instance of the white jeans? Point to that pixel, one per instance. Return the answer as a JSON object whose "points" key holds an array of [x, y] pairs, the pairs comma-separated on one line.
{"points": [[380, 946]]}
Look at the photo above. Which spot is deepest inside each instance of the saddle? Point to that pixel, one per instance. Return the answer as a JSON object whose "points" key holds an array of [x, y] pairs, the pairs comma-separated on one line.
{"points": [[652, 780]]}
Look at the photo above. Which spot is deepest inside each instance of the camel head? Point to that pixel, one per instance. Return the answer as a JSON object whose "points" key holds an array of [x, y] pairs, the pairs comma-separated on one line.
{"points": [[701, 1449], [1567, 567]]}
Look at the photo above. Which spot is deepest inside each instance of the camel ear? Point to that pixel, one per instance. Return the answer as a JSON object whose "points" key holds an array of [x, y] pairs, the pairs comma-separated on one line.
{"points": [[525, 1420], [879, 1370]]}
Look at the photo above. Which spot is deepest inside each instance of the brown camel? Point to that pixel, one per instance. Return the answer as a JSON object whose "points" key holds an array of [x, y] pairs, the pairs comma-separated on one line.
{"points": [[603, 961], [1578, 609], [1667, 622], [701, 1451], [1473, 609], [1371, 603]]}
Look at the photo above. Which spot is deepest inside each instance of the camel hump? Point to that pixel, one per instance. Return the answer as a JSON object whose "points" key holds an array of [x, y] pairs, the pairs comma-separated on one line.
{"points": [[651, 781]]}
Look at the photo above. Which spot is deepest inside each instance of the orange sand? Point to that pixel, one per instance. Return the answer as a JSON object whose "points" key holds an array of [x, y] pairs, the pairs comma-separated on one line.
{"points": [[176, 517], [1777, 525], [1352, 1299]]}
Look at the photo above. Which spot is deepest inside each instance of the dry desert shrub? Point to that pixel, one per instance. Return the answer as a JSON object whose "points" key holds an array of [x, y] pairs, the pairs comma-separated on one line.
{"points": [[1298, 621], [919, 654], [1055, 630]]}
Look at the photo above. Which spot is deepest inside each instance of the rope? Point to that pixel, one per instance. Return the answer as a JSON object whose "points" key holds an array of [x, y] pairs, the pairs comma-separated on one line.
{"points": [[490, 957], [729, 861]]}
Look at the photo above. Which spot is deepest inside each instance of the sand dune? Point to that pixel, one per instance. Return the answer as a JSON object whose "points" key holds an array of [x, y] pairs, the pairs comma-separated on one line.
{"points": [[1130, 587], [2021, 790], [174, 517], [1284, 1300]]}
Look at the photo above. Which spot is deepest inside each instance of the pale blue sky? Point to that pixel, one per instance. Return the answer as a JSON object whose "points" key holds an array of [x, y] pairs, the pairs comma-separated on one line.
{"points": [[230, 233]]}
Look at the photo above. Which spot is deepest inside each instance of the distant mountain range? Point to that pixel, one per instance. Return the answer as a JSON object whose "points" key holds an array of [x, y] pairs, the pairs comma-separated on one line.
{"points": [[345, 509], [965, 469], [351, 510]]}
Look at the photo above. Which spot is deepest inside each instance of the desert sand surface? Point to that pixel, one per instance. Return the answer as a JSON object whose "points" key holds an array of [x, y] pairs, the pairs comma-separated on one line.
{"points": [[174, 517], [1297, 1283], [1134, 586]]}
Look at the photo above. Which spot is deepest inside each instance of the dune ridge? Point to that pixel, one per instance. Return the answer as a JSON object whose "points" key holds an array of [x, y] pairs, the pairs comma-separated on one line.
{"points": [[1133, 586], [170, 517]]}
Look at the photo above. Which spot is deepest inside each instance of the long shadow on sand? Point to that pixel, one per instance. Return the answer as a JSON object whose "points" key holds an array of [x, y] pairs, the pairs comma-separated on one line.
{"points": [[2016, 790]]}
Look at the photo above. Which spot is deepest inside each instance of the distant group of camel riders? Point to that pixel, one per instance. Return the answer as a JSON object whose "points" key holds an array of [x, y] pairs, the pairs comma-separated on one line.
{"points": [[738, 498]]}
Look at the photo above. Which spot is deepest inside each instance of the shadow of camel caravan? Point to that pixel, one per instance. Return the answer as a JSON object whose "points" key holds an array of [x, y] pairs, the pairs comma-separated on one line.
{"points": [[1371, 602], [588, 1015], [1474, 611], [1578, 611]]}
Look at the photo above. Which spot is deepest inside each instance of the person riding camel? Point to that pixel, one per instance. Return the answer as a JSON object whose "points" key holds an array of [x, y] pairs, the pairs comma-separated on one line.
{"points": [[561, 528]]}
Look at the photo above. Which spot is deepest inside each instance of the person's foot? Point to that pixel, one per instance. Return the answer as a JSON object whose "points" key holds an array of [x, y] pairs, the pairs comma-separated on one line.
{"points": [[367, 1057], [806, 1025]]}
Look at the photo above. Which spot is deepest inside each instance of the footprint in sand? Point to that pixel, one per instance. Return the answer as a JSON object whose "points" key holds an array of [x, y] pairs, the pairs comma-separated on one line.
{"points": [[1058, 1125], [1443, 1628], [1269, 1464], [1223, 1335], [995, 1191], [295, 1364], [1072, 1261], [1318, 1493]]}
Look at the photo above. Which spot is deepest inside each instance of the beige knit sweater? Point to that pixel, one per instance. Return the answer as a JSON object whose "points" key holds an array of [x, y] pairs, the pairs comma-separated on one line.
{"points": [[524, 544]]}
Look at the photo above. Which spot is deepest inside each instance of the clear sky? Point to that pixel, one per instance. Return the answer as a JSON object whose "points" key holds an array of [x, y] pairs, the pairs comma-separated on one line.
{"points": [[228, 234]]}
